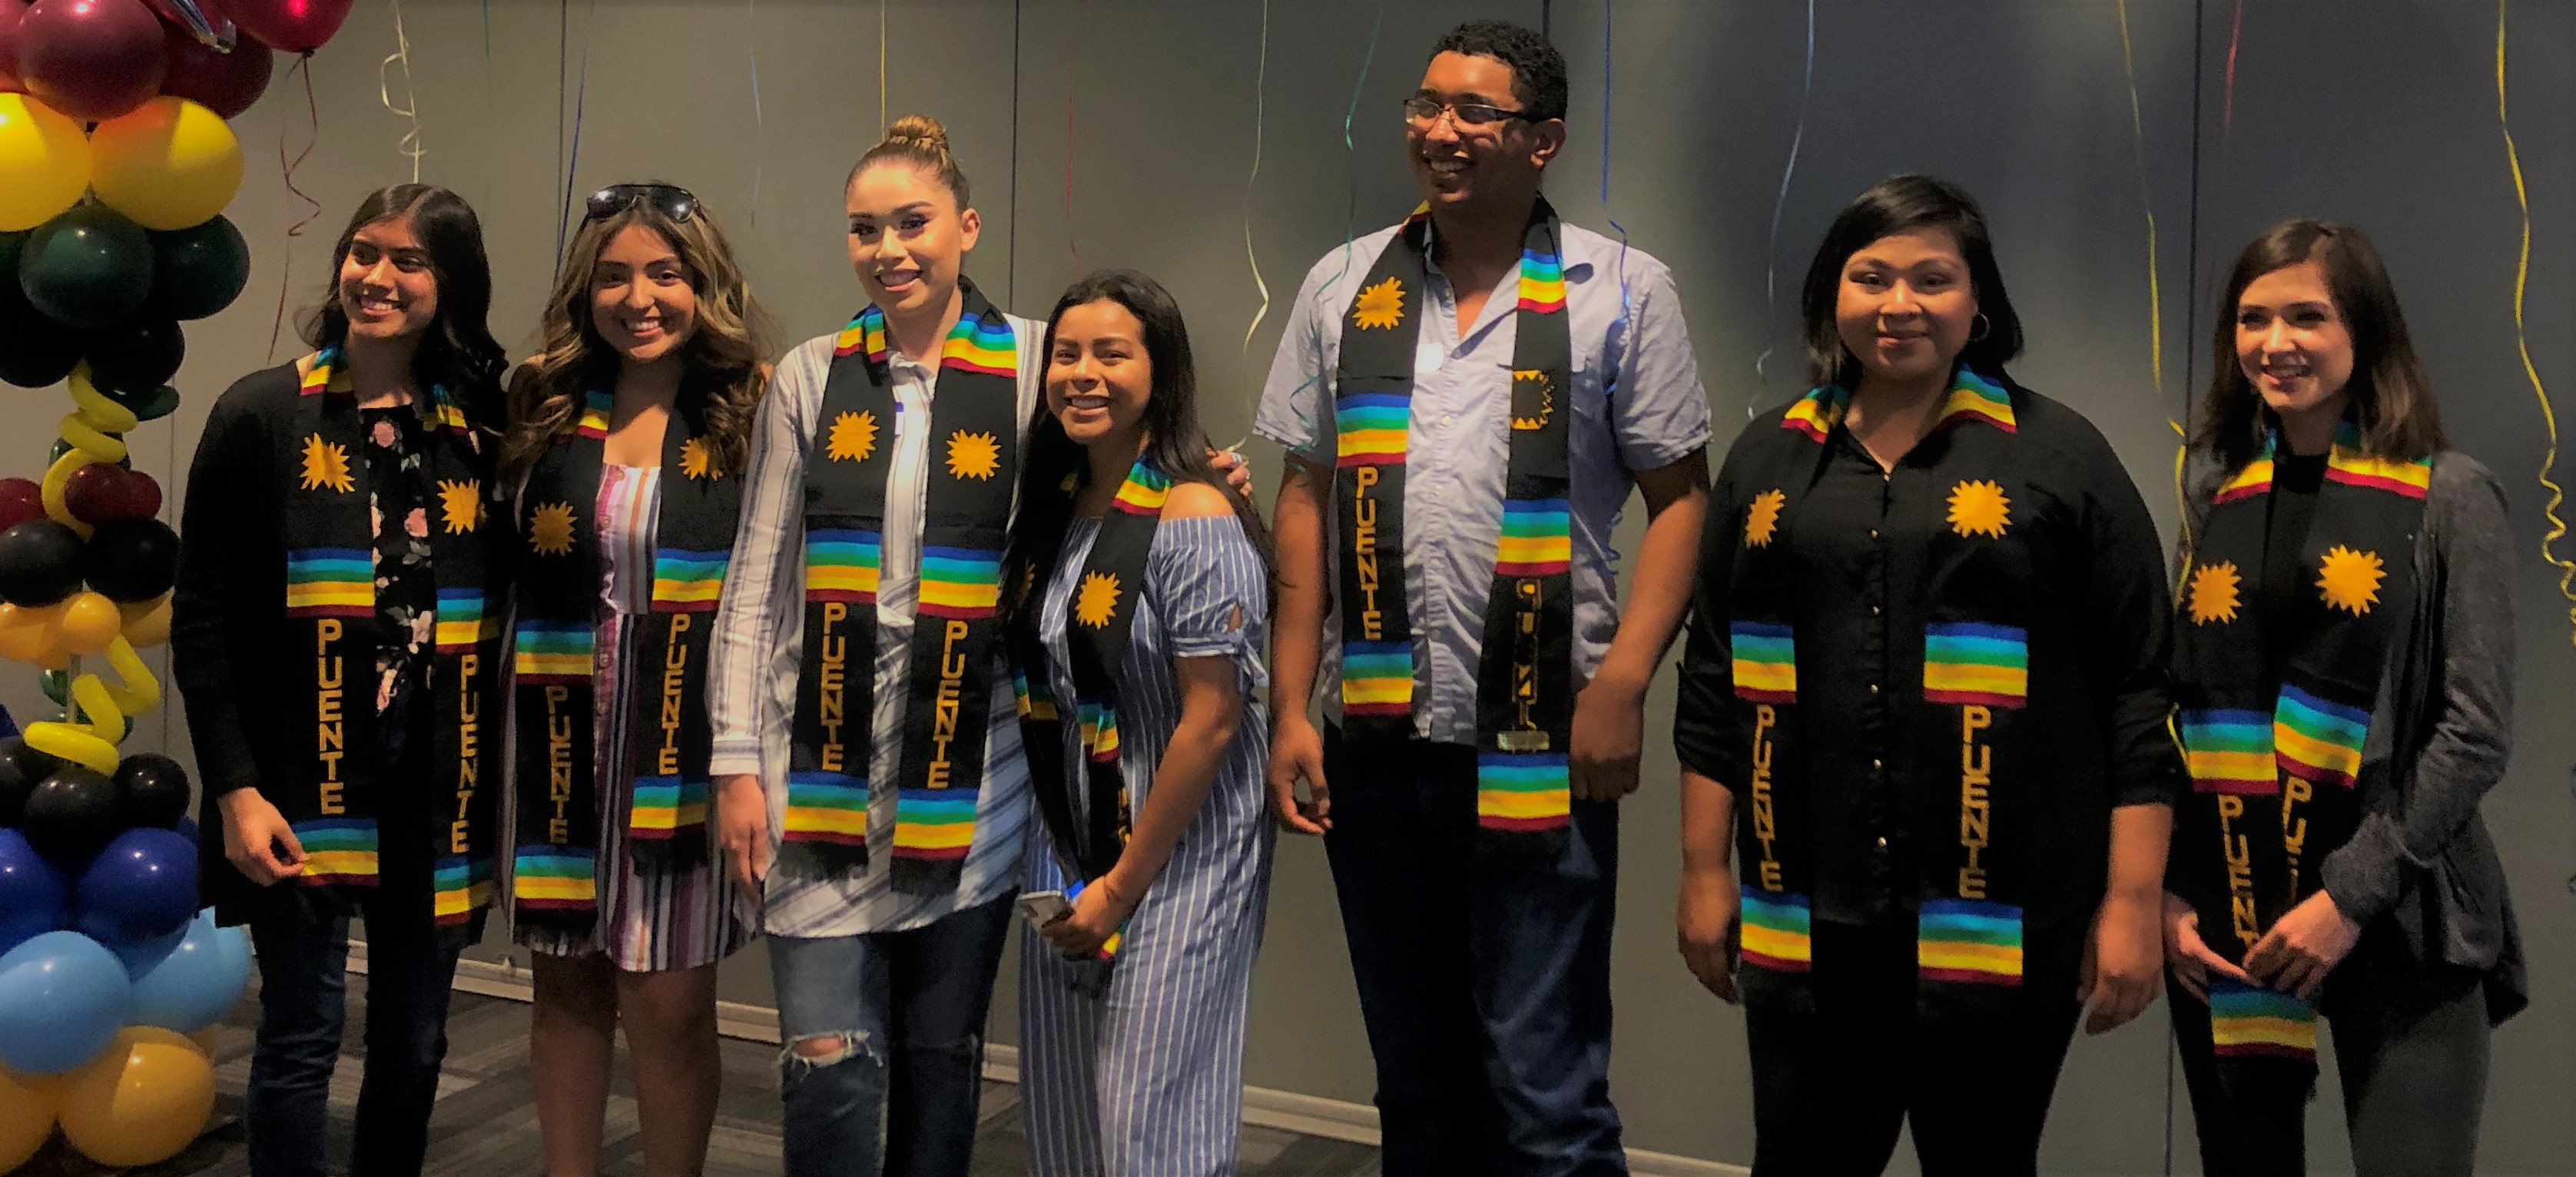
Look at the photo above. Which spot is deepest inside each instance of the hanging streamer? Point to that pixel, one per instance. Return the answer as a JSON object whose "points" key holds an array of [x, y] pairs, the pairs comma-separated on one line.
{"points": [[1072, 238], [2557, 527], [313, 208], [1350, 150], [2227, 99], [1628, 338], [882, 124], [759, 125], [2155, 288], [409, 146], [1779, 205], [580, 104], [1260, 74]]}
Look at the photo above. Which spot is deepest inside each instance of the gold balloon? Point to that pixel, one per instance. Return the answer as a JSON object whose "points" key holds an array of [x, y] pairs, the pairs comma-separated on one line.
{"points": [[167, 164], [90, 622], [44, 162], [25, 634], [141, 1101], [147, 623], [28, 1104]]}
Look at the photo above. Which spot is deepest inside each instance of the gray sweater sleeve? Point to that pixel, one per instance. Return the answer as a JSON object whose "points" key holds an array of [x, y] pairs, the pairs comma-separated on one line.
{"points": [[2464, 754]]}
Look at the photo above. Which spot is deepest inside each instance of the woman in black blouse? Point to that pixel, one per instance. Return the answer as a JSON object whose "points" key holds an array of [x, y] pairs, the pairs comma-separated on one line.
{"points": [[2344, 662], [334, 632], [1926, 665]]}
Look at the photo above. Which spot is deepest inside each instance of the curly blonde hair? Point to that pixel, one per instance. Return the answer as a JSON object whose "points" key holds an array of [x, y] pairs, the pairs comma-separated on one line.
{"points": [[726, 353]]}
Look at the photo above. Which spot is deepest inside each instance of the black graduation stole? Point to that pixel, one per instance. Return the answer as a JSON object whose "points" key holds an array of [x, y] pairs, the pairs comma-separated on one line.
{"points": [[1101, 617], [555, 881], [2272, 765], [330, 799], [1958, 724], [972, 471], [1525, 677]]}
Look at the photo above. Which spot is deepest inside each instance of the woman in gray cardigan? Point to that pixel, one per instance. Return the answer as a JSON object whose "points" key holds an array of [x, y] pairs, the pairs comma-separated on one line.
{"points": [[2344, 664]]}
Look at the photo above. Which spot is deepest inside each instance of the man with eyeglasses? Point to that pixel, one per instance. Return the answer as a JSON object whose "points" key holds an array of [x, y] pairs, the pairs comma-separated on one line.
{"points": [[1466, 415]]}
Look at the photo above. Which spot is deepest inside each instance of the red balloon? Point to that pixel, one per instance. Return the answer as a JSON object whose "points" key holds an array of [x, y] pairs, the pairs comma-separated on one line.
{"points": [[12, 14], [225, 83], [91, 59], [20, 499], [289, 26], [99, 493]]}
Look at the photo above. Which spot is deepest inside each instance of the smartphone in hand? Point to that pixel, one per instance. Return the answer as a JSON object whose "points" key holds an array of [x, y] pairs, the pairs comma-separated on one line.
{"points": [[1041, 908]]}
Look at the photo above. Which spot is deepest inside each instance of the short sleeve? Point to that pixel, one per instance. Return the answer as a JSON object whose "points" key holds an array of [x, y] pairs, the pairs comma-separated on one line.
{"points": [[1293, 397], [1210, 591], [1659, 411]]}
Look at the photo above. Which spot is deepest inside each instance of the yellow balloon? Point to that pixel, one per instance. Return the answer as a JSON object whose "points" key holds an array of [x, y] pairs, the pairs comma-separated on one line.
{"points": [[209, 1040], [141, 1101], [26, 634], [28, 1104], [44, 162], [167, 164], [90, 622], [147, 623]]}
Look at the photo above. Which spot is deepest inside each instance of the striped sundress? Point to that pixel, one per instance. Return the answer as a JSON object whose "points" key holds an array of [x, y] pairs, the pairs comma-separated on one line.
{"points": [[689, 917], [1146, 1075]]}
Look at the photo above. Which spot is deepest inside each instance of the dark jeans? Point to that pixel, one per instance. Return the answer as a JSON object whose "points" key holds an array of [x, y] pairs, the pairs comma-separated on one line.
{"points": [[1486, 992], [1832, 1088], [908, 1009], [2410, 1044], [303, 947]]}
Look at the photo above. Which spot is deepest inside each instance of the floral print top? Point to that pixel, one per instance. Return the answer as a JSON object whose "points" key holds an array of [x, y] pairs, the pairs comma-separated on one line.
{"points": [[406, 590]]}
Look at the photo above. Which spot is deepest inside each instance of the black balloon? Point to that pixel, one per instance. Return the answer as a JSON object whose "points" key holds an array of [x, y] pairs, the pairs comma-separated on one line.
{"points": [[136, 357], [72, 813], [88, 267], [153, 790], [198, 271], [40, 563], [130, 560], [20, 768], [34, 351]]}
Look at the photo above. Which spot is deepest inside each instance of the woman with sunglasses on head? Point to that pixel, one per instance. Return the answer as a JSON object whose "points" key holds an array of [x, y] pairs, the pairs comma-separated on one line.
{"points": [[627, 449], [1927, 663], [1136, 641], [334, 564], [2344, 662]]}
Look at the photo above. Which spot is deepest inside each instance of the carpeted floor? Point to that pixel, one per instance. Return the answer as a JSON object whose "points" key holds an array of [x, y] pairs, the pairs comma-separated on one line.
{"points": [[486, 1123]]}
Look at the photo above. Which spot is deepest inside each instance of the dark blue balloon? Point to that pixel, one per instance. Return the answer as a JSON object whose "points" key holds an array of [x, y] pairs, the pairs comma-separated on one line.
{"points": [[197, 983], [188, 829], [142, 886], [62, 999], [31, 892]]}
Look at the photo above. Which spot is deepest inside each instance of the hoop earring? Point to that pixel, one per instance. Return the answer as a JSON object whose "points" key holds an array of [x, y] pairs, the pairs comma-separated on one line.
{"points": [[1984, 328]]}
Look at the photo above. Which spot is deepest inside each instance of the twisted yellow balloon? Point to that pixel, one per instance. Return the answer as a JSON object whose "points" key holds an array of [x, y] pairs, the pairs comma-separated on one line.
{"points": [[95, 432]]}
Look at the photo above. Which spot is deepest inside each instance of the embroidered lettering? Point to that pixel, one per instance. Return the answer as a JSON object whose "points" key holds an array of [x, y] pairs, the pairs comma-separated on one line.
{"points": [[831, 681], [1766, 829], [1364, 551], [558, 764], [469, 770], [675, 671], [1976, 804], [943, 726], [330, 732], [2240, 869]]}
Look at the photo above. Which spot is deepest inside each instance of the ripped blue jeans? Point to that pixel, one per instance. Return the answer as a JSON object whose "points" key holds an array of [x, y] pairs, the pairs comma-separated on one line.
{"points": [[907, 1010]]}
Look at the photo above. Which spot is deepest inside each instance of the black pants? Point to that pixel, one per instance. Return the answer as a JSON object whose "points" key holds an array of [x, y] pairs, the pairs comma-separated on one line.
{"points": [[2410, 1045], [1831, 1089]]}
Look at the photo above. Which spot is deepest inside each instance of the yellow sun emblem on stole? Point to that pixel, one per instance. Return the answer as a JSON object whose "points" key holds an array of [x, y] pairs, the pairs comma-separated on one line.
{"points": [[695, 461], [1979, 508], [854, 437], [460, 504], [2214, 593], [973, 455], [1096, 600], [1532, 409], [1762, 519], [326, 464], [550, 529], [1380, 307], [2349, 580]]}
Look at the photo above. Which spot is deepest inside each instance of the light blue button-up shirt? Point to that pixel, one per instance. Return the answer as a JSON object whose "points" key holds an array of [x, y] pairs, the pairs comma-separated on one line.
{"points": [[1638, 406]]}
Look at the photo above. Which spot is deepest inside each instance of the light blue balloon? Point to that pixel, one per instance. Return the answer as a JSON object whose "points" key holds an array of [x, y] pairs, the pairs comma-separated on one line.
{"points": [[62, 1000], [198, 982]]}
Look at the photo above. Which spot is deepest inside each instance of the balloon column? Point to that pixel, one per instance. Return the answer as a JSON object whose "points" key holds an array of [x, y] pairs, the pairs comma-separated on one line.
{"points": [[116, 164]]}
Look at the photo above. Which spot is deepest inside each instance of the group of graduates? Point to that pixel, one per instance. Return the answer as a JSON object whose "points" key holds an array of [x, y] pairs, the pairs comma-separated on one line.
{"points": [[658, 643]]}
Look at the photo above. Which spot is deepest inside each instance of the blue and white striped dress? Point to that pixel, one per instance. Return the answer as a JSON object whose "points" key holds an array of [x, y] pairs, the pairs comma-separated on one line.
{"points": [[1147, 1076]]}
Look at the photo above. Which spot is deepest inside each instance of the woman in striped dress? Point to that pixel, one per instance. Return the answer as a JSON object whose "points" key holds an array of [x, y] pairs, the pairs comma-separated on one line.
{"points": [[1151, 590], [624, 433]]}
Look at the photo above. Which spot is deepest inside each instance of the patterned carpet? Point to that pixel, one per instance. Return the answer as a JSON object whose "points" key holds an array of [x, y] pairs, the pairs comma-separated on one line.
{"points": [[486, 1123]]}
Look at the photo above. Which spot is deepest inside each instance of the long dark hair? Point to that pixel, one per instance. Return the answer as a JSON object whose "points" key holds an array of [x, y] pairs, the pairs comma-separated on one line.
{"points": [[2390, 399], [1056, 467], [458, 351], [1898, 204]]}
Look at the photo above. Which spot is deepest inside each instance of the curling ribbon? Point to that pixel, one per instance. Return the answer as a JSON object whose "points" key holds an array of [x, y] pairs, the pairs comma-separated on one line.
{"points": [[409, 145], [2155, 289], [1628, 337], [312, 135], [759, 123], [1260, 74], [95, 432], [1780, 204], [2557, 527], [1350, 149]]}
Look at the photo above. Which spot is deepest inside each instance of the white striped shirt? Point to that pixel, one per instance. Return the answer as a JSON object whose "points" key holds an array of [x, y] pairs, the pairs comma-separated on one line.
{"points": [[760, 644]]}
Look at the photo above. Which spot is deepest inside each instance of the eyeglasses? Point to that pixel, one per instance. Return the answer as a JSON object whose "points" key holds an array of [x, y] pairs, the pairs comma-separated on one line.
{"points": [[667, 199], [1422, 112]]}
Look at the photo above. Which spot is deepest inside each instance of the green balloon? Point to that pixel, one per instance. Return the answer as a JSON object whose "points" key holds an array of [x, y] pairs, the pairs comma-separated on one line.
{"points": [[163, 402], [198, 271], [58, 686], [87, 268]]}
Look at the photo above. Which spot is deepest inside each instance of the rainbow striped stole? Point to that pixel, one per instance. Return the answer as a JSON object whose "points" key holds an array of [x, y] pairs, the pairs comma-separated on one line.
{"points": [[552, 652], [1144, 492], [981, 346], [1766, 661], [2254, 479], [2248, 1020], [1972, 663], [2229, 750], [1099, 730], [460, 886], [1776, 932], [2317, 738], [1523, 792], [2346, 464], [960, 582], [1377, 678], [593, 422], [1816, 413], [664, 805], [1976, 398], [827, 807], [1542, 282], [934, 823], [331, 582], [1372, 428], [319, 372], [555, 879], [686, 581], [843, 563], [1538, 538], [337, 851], [462, 620], [1973, 941], [865, 334], [1035, 701]]}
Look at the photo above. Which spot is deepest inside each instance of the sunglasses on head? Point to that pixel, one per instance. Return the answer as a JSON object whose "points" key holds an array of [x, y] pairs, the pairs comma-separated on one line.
{"points": [[669, 200]]}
